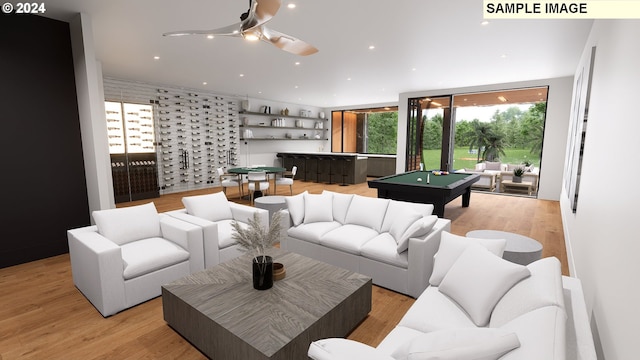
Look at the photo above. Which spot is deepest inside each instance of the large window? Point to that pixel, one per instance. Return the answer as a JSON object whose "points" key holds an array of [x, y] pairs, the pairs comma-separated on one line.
{"points": [[366, 131], [458, 131]]}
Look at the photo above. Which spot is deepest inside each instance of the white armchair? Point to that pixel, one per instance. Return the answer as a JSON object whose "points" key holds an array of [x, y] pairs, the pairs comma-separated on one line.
{"points": [[213, 214], [125, 258]]}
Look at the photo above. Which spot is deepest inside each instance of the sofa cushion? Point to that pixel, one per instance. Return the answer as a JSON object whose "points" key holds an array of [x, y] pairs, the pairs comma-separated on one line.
{"points": [[128, 224], [312, 232], [225, 232], [144, 256], [493, 165], [451, 246], [318, 208], [348, 238], [343, 349], [433, 311], [295, 205], [366, 211], [542, 288], [400, 226], [341, 204], [419, 228], [383, 248], [542, 335], [458, 344], [397, 210], [212, 207], [477, 281]]}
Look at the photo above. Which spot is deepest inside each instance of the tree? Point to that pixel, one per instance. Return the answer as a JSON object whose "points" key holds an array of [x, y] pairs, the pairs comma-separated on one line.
{"points": [[479, 136], [382, 132]]}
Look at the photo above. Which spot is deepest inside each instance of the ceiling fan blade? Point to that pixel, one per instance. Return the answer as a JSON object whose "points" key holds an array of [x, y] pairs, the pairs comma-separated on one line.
{"points": [[231, 30], [266, 9], [287, 42]]}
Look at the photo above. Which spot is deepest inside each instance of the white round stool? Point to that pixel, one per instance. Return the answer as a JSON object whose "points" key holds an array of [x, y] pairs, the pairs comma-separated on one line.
{"points": [[520, 249]]}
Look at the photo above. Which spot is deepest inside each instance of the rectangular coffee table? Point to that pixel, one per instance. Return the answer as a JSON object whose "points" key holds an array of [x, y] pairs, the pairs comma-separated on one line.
{"points": [[219, 312]]}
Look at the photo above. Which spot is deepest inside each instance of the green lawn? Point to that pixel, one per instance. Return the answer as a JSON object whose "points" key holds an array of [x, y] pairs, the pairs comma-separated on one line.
{"points": [[463, 159]]}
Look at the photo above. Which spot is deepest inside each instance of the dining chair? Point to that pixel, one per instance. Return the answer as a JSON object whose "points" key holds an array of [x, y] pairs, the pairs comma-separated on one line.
{"points": [[287, 179], [258, 181], [229, 180]]}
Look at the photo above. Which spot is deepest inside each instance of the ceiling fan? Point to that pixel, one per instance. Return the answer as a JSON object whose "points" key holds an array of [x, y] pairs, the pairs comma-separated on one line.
{"points": [[251, 27]]}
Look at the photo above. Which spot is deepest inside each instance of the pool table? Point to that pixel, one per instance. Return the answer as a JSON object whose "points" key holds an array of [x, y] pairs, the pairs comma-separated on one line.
{"points": [[440, 189]]}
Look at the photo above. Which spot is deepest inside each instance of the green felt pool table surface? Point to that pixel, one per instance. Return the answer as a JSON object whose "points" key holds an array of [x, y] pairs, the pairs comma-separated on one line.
{"points": [[439, 190], [434, 180]]}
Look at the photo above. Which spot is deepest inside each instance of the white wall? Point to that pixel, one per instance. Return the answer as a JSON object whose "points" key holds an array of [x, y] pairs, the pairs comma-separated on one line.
{"points": [[93, 126], [555, 133], [602, 236]]}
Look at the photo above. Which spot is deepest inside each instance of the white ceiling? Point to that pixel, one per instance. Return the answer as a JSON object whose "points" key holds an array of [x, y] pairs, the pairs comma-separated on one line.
{"points": [[419, 45]]}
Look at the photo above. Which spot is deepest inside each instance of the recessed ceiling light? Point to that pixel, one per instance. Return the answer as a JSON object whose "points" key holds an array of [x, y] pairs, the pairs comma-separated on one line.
{"points": [[210, 36], [156, 57], [241, 75], [504, 56], [349, 79], [484, 23], [297, 63], [295, 87], [204, 83], [413, 69], [291, 6], [371, 47]]}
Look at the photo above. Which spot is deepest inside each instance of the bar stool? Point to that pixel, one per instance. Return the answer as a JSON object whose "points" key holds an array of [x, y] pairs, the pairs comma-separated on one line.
{"points": [[306, 166], [345, 162], [332, 160], [319, 160]]}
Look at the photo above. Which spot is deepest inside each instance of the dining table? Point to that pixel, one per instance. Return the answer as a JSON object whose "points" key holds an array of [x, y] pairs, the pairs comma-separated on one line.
{"points": [[239, 171]]}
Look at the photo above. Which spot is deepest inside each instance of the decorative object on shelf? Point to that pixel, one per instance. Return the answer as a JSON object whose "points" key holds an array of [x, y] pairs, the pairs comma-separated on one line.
{"points": [[265, 109], [517, 175], [255, 238], [286, 111], [321, 114], [245, 105], [318, 125], [304, 113], [299, 123]]}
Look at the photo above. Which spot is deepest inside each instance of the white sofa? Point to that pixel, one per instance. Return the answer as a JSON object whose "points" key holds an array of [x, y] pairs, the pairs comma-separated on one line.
{"points": [[213, 214], [480, 306], [125, 258], [487, 180], [391, 241]]}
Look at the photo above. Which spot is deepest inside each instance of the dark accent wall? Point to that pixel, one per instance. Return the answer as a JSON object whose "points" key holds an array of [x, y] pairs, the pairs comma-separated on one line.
{"points": [[43, 188]]}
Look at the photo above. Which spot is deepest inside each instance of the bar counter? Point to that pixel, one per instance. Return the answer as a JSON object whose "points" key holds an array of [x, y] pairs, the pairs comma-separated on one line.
{"points": [[334, 168]]}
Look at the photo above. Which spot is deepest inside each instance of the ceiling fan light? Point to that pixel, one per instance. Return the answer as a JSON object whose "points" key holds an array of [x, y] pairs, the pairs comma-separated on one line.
{"points": [[252, 35]]}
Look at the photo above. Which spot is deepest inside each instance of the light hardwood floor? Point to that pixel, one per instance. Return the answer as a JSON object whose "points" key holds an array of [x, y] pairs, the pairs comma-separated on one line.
{"points": [[42, 314]]}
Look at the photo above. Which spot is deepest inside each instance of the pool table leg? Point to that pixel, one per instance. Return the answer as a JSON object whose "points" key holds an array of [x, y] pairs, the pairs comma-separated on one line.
{"points": [[466, 197], [438, 208]]}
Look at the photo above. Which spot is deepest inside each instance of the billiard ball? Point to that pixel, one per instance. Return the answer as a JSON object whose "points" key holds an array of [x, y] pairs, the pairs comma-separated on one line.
{"points": [[419, 179]]}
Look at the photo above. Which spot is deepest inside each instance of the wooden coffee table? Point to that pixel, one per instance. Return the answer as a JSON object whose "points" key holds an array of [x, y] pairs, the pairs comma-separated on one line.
{"points": [[218, 310], [525, 186]]}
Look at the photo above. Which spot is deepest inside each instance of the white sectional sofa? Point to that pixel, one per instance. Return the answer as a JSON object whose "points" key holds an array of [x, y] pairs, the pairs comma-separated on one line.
{"points": [[480, 306], [213, 214], [391, 241]]}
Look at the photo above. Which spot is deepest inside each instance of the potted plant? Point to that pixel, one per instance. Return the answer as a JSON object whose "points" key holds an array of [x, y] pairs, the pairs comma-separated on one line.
{"points": [[517, 175], [257, 240]]}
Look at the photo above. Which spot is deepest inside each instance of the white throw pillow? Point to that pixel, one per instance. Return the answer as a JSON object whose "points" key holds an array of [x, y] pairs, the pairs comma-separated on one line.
{"points": [[295, 205], [451, 246], [128, 224], [419, 228], [212, 207], [318, 208], [402, 223], [478, 280], [459, 344], [367, 212], [341, 204]]}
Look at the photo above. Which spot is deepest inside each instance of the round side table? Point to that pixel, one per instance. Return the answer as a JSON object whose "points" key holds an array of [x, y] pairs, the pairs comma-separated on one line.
{"points": [[271, 203], [520, 249]]}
